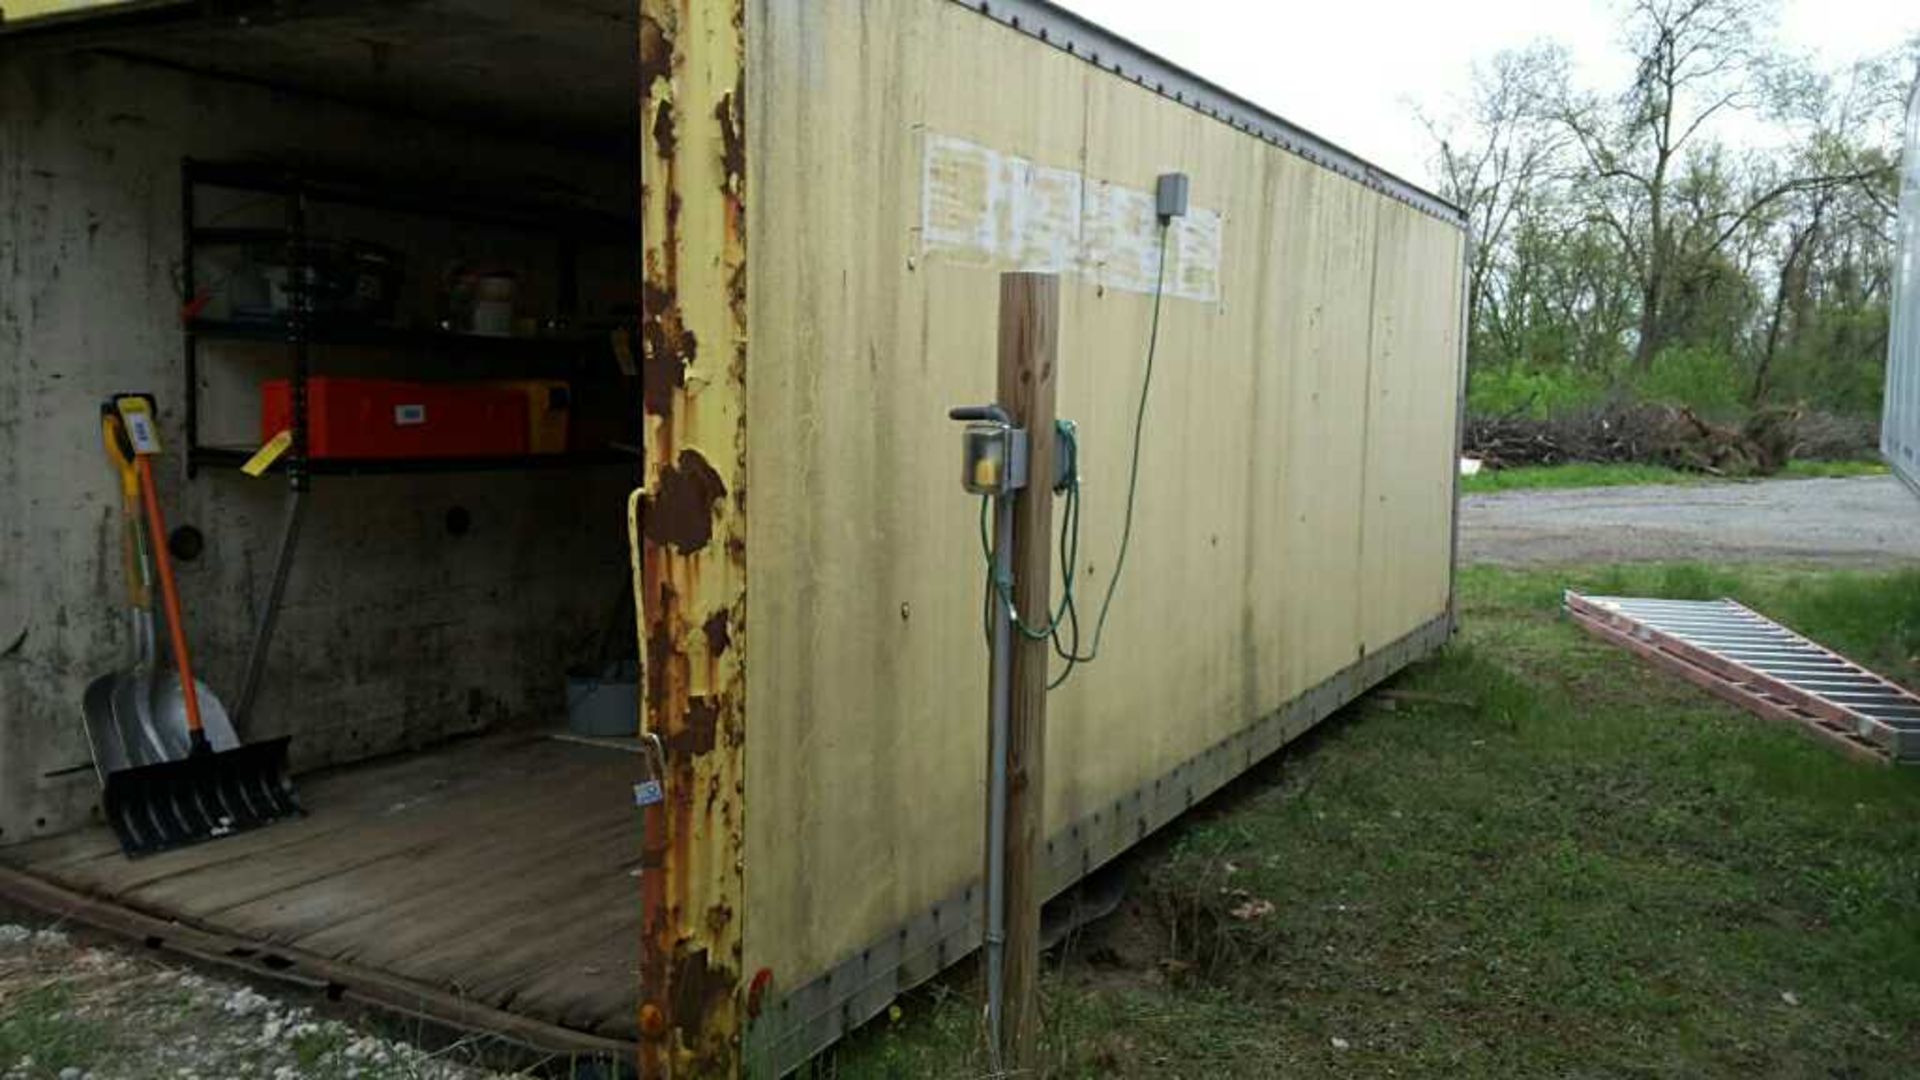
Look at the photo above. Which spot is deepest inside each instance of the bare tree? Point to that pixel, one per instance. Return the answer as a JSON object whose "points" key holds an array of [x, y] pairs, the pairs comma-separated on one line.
{"points": [[1492, 160], [1829, 229], [1695, 59]]}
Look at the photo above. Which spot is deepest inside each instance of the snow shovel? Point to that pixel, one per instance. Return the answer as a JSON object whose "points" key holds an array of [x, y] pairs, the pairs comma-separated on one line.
{"points": [[208, 791], [138, 716]]}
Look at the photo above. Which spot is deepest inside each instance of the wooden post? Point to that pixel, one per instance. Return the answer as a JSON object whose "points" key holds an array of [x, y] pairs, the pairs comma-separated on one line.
{"points": [[1029, 348]]}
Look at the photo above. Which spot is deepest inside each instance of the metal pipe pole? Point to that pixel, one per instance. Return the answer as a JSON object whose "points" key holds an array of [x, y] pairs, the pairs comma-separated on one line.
{"points": [[270, 611], [999, 709]]}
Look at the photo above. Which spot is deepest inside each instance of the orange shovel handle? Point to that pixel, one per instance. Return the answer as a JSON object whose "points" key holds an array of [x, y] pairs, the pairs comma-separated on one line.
{"points": [[170, 597]]}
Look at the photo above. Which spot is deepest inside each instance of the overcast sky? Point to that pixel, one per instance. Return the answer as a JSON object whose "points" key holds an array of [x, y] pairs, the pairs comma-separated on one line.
{"points": [[1346, 69]]}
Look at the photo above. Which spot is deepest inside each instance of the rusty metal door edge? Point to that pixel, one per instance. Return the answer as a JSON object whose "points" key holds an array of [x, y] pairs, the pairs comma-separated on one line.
{"points": [[335, 979], [793, 1028]]}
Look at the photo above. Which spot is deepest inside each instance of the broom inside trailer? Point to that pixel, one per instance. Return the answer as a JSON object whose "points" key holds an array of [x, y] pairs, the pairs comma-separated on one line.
{"points": [[204, 793]]}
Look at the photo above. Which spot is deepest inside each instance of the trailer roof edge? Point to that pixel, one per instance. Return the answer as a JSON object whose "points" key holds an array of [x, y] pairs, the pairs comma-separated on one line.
{"points": [[1078, 36]]}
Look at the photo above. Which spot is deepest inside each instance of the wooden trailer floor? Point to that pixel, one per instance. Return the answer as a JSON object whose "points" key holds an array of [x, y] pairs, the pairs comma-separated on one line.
{"points": [[500, 869]]}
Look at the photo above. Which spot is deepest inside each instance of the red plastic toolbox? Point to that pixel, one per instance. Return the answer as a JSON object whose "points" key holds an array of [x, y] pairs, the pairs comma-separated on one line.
{"points": [[385, 418]]}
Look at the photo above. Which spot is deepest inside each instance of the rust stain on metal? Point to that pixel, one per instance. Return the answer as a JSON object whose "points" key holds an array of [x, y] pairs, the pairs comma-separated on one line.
{"points": [[674, 205], [718, 635], [699, 987], [737, 302], [757, 991], [733, 144], [666, 348], [663, 139], [656, 52], [682, 509], [698, 736], [655, 927], [660, 651]]}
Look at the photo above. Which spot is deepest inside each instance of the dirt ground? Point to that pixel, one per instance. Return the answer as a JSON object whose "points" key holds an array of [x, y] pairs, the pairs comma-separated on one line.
{"points": [[1871, 521]]}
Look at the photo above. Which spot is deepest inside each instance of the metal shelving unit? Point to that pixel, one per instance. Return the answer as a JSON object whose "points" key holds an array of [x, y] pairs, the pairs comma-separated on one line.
{"points": [[301, 329], [577, 358]]}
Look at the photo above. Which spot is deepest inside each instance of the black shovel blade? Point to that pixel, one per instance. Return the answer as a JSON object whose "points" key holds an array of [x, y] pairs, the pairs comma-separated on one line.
{"points": [[201, 797]]}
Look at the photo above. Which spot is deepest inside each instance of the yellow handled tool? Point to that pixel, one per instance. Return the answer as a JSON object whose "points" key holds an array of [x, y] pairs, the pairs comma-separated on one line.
{"points": [[133, 531], [215, 785]]}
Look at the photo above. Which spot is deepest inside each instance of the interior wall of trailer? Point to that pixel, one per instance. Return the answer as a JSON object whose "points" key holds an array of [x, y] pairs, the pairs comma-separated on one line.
{"points": [[395, 632], [1295, 489]]}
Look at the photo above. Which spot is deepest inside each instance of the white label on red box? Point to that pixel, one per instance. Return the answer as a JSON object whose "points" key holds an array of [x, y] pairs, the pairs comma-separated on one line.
{"points": [[409, 415]]}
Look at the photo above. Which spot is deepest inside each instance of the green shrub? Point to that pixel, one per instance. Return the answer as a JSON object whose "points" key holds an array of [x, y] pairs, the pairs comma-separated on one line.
{"points": [[1847, 388], [1708, 382], [1834, 376], [1520, 390]]}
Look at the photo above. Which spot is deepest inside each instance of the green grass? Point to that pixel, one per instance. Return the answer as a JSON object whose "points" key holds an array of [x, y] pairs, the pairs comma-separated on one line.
{"points": [[40, 1035], [1572, 475], [1588, 475], [1872, 617], [1591, 870], [1807, 469]]}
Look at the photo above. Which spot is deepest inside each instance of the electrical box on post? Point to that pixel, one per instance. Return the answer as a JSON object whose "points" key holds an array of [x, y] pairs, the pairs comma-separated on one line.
{"points": [[995, 458]]}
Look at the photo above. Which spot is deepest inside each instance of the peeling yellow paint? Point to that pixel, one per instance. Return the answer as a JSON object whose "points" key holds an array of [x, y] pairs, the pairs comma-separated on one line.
{"points": [[691, 535]]}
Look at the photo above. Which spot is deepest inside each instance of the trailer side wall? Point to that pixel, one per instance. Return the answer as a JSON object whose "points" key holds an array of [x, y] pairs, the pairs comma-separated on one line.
{"points": [[1292, 538]]}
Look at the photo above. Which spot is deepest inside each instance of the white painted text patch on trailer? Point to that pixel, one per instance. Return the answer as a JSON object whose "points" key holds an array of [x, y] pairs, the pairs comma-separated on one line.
{"points": [[980, 207]]}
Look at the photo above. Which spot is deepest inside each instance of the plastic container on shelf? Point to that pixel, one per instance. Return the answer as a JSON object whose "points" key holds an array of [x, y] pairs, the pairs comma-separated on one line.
{"points": [[387, 418], [549, 412]]}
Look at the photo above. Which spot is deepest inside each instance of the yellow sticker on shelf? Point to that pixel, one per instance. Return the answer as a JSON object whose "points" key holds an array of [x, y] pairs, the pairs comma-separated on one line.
{"points": [[263, 458]]}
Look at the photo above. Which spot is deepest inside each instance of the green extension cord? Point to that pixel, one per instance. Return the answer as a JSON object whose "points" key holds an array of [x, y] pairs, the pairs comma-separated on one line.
{"points": [[1067, 615]]}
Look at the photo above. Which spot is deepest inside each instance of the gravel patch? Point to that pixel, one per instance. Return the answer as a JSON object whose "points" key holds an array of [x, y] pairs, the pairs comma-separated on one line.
{"points": [[1869, 521], [70, 1011]]}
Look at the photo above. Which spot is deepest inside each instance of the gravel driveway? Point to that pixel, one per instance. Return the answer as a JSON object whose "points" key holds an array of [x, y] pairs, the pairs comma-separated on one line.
{"points": [[1861, 521]]}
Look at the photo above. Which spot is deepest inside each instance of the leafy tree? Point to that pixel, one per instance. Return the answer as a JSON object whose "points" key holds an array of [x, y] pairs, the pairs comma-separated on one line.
{"points": [[1614, 233]]}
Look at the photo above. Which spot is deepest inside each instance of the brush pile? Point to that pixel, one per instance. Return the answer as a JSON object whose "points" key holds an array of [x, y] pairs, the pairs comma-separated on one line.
{"points": [[1624, 432]]}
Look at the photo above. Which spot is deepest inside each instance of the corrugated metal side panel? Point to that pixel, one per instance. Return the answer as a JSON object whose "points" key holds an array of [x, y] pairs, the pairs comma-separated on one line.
{"points": [[1295, 514], [1406, 546], [1900, 426]]}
